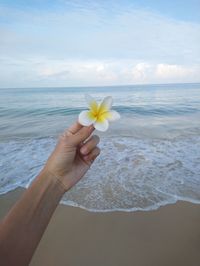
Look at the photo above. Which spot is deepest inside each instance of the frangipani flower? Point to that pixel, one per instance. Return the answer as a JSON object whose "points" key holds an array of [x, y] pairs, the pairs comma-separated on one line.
{"points": [[98, 114]]}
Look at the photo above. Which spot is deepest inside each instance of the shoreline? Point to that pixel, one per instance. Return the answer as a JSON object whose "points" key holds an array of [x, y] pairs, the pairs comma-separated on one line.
{"points": [[167, 236]]}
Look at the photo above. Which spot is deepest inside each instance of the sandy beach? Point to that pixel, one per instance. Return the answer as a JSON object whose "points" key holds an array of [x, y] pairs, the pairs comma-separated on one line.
{"points": [[167, 236]]}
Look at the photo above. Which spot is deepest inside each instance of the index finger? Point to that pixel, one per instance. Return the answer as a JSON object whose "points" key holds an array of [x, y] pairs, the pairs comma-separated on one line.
{"points": [[82, 134], [74, 128]]}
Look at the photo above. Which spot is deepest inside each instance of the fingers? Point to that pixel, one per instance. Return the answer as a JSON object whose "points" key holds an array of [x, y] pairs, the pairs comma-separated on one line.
{"points": [[74, 128], [88, 146], [82, 135], [92, 155], [76, 134]]}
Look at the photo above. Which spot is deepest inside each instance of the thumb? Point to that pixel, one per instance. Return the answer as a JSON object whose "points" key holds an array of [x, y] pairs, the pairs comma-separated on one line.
{"points": [[82, 135]]}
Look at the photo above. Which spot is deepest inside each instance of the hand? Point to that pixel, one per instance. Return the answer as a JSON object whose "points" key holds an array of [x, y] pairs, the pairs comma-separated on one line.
{"points": [[73, 155]]}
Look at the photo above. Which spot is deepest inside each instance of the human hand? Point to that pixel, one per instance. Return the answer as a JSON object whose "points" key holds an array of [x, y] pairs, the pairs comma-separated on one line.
{"points": [[73, 155]]}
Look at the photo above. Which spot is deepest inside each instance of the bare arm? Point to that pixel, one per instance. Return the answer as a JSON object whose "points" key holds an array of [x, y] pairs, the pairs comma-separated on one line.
{"points": [[23, 227]]}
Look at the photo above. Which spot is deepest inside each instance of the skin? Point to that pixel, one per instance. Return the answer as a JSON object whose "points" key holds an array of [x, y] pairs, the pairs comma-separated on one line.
{"points": [[24, 225]]}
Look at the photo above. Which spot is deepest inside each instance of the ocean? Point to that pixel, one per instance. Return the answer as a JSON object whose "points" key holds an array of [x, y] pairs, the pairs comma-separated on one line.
{"points": [[149, 158]]}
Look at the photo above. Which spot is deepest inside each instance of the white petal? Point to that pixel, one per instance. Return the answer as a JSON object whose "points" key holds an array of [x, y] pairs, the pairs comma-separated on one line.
{"points": [[92, 103], [84, 119], [106, 104], [113, 116], [101, 126]]}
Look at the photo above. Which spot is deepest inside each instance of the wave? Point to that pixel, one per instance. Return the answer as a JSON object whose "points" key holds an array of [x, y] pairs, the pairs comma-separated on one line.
{"points": [[131, 174], [168, 110]]}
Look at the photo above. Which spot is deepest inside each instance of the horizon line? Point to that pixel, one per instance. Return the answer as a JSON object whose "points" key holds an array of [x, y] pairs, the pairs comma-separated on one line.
{"points": [[101, 86]]}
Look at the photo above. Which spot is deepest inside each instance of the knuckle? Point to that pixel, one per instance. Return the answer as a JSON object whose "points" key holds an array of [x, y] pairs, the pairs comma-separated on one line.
{"points": [[61, 138], [79, 136], [64, 136]]}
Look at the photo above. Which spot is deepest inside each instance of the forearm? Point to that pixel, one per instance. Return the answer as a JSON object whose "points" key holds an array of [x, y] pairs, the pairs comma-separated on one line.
{"points": [[23, 227]]}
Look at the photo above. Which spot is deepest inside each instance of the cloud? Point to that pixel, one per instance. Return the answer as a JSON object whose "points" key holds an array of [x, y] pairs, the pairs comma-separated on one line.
{"points": [[84, 72], [51, 72], [177, 73], [140, 71], [172, 71], [162, 73], [90, 45]]}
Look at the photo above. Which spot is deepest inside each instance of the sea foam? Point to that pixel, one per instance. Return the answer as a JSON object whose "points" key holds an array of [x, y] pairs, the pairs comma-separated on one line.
{"points": [[130, 174]]}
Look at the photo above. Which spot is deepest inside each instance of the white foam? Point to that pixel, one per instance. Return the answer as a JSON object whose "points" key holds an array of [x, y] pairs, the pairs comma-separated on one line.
{"points": [[131, 174]]}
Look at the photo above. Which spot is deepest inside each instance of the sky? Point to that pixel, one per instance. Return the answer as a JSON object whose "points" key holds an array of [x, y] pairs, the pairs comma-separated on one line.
{"points": [[98, 43]]}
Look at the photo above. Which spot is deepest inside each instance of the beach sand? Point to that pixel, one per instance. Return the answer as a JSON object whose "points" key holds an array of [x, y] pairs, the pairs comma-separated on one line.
{"points": [[169, 236]]}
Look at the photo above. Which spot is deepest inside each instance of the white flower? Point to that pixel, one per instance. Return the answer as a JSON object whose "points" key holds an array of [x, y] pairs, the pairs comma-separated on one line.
{"points": [[98, 114]]}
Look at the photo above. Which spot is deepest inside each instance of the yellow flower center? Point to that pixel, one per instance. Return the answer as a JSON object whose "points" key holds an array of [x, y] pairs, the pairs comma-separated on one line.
{"points": [[98, 112]]}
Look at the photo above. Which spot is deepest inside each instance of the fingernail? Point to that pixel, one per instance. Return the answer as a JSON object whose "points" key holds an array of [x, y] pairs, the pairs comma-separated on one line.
{"points": [[83, 151], [91, 127]]}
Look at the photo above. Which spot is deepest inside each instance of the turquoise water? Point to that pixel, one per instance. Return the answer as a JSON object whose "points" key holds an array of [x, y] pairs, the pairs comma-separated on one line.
{"points": [[151, 157]]}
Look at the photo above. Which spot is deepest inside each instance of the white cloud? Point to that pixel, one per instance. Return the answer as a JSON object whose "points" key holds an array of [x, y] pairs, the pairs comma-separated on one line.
{"points": [[46, 72], [177, 73], [140, 71], [84, 72], [172, 71], [87, 46]]}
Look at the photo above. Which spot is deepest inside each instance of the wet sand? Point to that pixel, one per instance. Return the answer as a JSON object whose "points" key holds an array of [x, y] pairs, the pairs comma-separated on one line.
{"points": [[169, 236]]}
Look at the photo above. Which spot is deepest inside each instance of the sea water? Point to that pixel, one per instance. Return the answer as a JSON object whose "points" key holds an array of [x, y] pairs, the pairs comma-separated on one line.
{"points": [[150, 158]]}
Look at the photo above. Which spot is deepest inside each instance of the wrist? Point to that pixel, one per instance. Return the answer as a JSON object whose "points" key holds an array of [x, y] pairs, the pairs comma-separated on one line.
{"points": [[52, 180]]}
